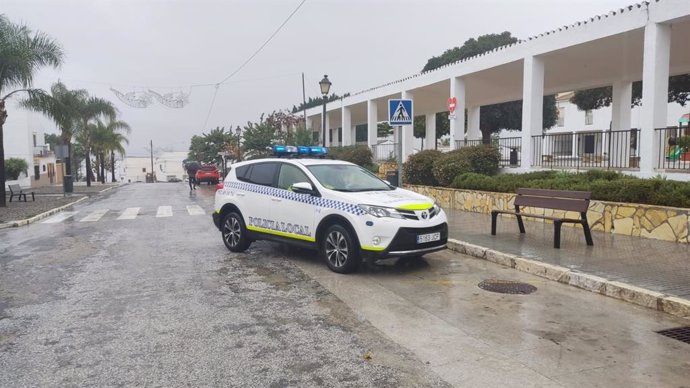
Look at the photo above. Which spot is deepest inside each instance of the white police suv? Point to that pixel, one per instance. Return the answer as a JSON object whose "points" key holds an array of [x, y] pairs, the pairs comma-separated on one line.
{"points": [[337, 207]]}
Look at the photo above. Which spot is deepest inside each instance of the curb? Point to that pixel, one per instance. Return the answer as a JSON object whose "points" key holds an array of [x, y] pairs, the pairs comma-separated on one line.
{"points": [[622, 291], [14, 224]]}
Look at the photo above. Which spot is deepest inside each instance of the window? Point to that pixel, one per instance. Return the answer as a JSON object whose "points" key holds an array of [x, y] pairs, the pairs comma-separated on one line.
{"points": [[589, 117], [290, 175], [561, 117], [44, 168], [349, 178], [263, 173], [242, 173], [37, 172]]}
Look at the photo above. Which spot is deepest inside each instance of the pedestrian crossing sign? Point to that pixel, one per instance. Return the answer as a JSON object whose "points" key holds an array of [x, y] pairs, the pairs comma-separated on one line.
{"points": [[400, 112]]}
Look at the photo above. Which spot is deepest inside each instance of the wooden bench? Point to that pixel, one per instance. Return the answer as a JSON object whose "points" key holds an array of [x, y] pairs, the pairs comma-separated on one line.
{"points": [[16, 190], [575, 201]]}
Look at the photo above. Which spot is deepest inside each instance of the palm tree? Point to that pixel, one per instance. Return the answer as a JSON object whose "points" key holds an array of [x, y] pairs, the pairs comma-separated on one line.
{"points": [[61, 106], [22, 53], [90, 109], [106, 138]]}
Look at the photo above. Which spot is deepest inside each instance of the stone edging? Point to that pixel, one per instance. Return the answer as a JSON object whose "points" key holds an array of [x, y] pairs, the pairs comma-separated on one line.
{"points": [[14, 224], [642, 297]]}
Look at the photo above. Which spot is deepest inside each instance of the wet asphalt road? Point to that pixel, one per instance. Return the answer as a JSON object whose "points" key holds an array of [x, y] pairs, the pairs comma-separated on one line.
{"points": [[159, 301], [156, 300]]}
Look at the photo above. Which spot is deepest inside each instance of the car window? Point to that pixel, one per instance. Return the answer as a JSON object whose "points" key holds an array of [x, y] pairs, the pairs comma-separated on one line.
{"points": [[345, 177], [242, 173], [263, 173], [290, 175]]}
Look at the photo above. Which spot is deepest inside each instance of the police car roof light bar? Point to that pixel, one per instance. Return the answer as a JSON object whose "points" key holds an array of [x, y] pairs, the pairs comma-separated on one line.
{"points": [[280, 150]]}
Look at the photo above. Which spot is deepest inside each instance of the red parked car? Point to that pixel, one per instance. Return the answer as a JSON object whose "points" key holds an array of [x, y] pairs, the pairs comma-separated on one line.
{"points": [[208, 173]]}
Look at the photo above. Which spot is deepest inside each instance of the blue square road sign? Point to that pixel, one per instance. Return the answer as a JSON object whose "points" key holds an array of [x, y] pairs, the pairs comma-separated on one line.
{"points": [[400, 112]]}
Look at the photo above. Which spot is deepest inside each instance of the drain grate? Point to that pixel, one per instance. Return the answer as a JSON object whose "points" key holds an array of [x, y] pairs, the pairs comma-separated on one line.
{"points": [[507, 287], [681, 334]]}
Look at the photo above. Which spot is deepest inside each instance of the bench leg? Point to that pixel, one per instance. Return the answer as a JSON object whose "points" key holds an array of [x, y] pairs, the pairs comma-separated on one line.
{"points": [[588, 233], [33, 197], [494, 216], [520, 224], [557, 234]]}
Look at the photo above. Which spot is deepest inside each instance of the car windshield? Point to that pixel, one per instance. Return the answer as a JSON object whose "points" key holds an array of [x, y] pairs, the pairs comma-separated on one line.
{"points": [[349, 178]]}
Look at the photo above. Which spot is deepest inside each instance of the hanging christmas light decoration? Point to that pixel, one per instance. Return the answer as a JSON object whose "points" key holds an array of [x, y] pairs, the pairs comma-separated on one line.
{"points": [[135, 99], [171, 100]]}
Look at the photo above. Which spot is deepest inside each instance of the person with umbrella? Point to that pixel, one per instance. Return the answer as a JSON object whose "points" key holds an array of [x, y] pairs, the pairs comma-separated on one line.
{"points": [[192, 167]]}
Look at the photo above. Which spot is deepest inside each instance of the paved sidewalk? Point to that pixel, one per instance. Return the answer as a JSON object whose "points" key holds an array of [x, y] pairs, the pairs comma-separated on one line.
{"points": [[660, 269]]}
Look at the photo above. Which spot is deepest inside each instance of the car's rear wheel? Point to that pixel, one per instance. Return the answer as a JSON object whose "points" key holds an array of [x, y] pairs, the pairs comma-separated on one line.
{"points": [[340, 250], [234, 233]]}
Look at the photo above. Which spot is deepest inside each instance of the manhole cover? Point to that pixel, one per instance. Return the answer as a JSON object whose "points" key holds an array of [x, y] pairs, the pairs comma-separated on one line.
{"points": [[679, 333], [507, 286]]}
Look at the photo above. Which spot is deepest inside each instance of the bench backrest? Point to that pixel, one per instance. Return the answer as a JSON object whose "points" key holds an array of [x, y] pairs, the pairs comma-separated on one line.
{"points": [[15, 188], [577, 201]]}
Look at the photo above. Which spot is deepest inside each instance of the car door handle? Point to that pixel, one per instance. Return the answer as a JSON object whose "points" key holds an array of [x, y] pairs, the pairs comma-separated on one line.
{"points": [[274, 199], [239, 194]]}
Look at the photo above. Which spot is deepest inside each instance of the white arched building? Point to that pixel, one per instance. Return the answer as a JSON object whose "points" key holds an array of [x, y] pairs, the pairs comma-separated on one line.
{"points": [[647, 41]]}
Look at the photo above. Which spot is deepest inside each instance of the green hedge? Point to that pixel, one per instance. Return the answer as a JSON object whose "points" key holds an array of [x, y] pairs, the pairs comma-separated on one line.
{"points": [[417, 169], [604, 185], [480, 159], [357, 154], [14, 167]]}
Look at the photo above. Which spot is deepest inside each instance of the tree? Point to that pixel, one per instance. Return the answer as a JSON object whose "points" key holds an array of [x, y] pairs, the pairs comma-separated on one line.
{"points": [[16, 166], [592, 99], [108, 139], [493, 118], [62, 107], [257, 138], [22, 53], [383, 129], [88, 109], [205, 148]]}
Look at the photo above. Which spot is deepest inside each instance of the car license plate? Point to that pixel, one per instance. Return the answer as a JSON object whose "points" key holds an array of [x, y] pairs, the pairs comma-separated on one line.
{"points": [[429, 237]]}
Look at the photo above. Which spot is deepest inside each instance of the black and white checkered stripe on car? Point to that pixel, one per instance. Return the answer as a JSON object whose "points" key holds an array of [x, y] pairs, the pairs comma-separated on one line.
{"points": [[292, 196]]}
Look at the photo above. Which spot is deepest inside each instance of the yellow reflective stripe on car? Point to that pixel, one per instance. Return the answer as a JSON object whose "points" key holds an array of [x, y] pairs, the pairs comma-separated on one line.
{"points": [[282, 234], [416, 206], [367, 248]]}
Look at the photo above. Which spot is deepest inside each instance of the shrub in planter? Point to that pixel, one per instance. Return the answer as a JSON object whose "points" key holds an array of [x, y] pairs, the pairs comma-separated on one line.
{"points": [[450, 165], [474, 181], [14, 167], [418, 168], [360, 155], [483, 159]]}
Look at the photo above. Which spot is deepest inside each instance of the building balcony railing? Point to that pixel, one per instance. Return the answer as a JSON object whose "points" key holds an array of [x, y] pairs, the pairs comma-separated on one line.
{"points": [[595, 149], [42, 151]]}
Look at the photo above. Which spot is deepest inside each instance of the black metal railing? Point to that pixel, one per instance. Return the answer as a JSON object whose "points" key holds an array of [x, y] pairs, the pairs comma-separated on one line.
{"points": [[595, 149], [384, 152], [509, 148], [674, 148]]}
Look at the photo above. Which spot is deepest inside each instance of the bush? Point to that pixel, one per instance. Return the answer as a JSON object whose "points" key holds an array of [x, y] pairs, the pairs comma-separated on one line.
{"points": [[483, 159], [360, 155], [450, 165], [418, 168], [14, 167]]}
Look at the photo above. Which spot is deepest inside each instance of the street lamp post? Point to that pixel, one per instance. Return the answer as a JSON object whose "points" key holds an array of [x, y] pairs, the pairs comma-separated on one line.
{"points": [[238, 131], [325, 85]]}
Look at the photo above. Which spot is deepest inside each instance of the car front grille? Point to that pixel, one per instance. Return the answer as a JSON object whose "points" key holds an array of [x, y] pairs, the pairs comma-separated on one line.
{"points": [[406, 238], [412, 215]]}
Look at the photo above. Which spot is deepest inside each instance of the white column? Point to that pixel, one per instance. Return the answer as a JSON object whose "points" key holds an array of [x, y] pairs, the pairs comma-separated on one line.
{"points": [[620, 109], [473, 131], [347, 126], [532, 106], [655, 71], [430, 138], [327, 142], [408, 131], [457, 125], [372, 122]]}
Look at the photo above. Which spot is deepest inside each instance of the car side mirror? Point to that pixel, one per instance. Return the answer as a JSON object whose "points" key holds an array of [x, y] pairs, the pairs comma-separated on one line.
{"points": [[303, 188]]}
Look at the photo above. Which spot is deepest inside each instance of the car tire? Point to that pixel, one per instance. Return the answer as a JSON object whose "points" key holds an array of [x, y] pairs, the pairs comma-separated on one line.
{"points": [[234, 233], [340, 250]]}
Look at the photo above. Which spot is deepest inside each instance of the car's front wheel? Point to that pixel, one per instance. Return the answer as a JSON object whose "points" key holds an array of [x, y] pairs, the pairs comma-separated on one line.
{"points": [[234, 233], [340, 250]]}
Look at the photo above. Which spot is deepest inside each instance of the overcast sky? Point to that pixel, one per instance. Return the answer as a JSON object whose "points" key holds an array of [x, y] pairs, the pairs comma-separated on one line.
{"points": [[168, 45]]}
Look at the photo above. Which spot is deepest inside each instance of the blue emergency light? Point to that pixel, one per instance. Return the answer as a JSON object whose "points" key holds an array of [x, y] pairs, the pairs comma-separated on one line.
{"points": [[280, 150]]}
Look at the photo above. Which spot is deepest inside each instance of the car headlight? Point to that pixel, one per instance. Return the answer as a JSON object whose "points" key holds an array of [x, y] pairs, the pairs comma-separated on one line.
{"points": [[380, 211]]}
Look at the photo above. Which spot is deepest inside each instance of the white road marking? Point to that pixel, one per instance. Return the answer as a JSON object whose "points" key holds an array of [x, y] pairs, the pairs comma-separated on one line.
{"points": [[129, 214], [164, 211], [59, 218], [95, 216], [195, 210]]}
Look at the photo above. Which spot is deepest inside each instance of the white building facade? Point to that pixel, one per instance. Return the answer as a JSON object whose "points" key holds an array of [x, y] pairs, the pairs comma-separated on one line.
{"points": [[643, 42]]}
